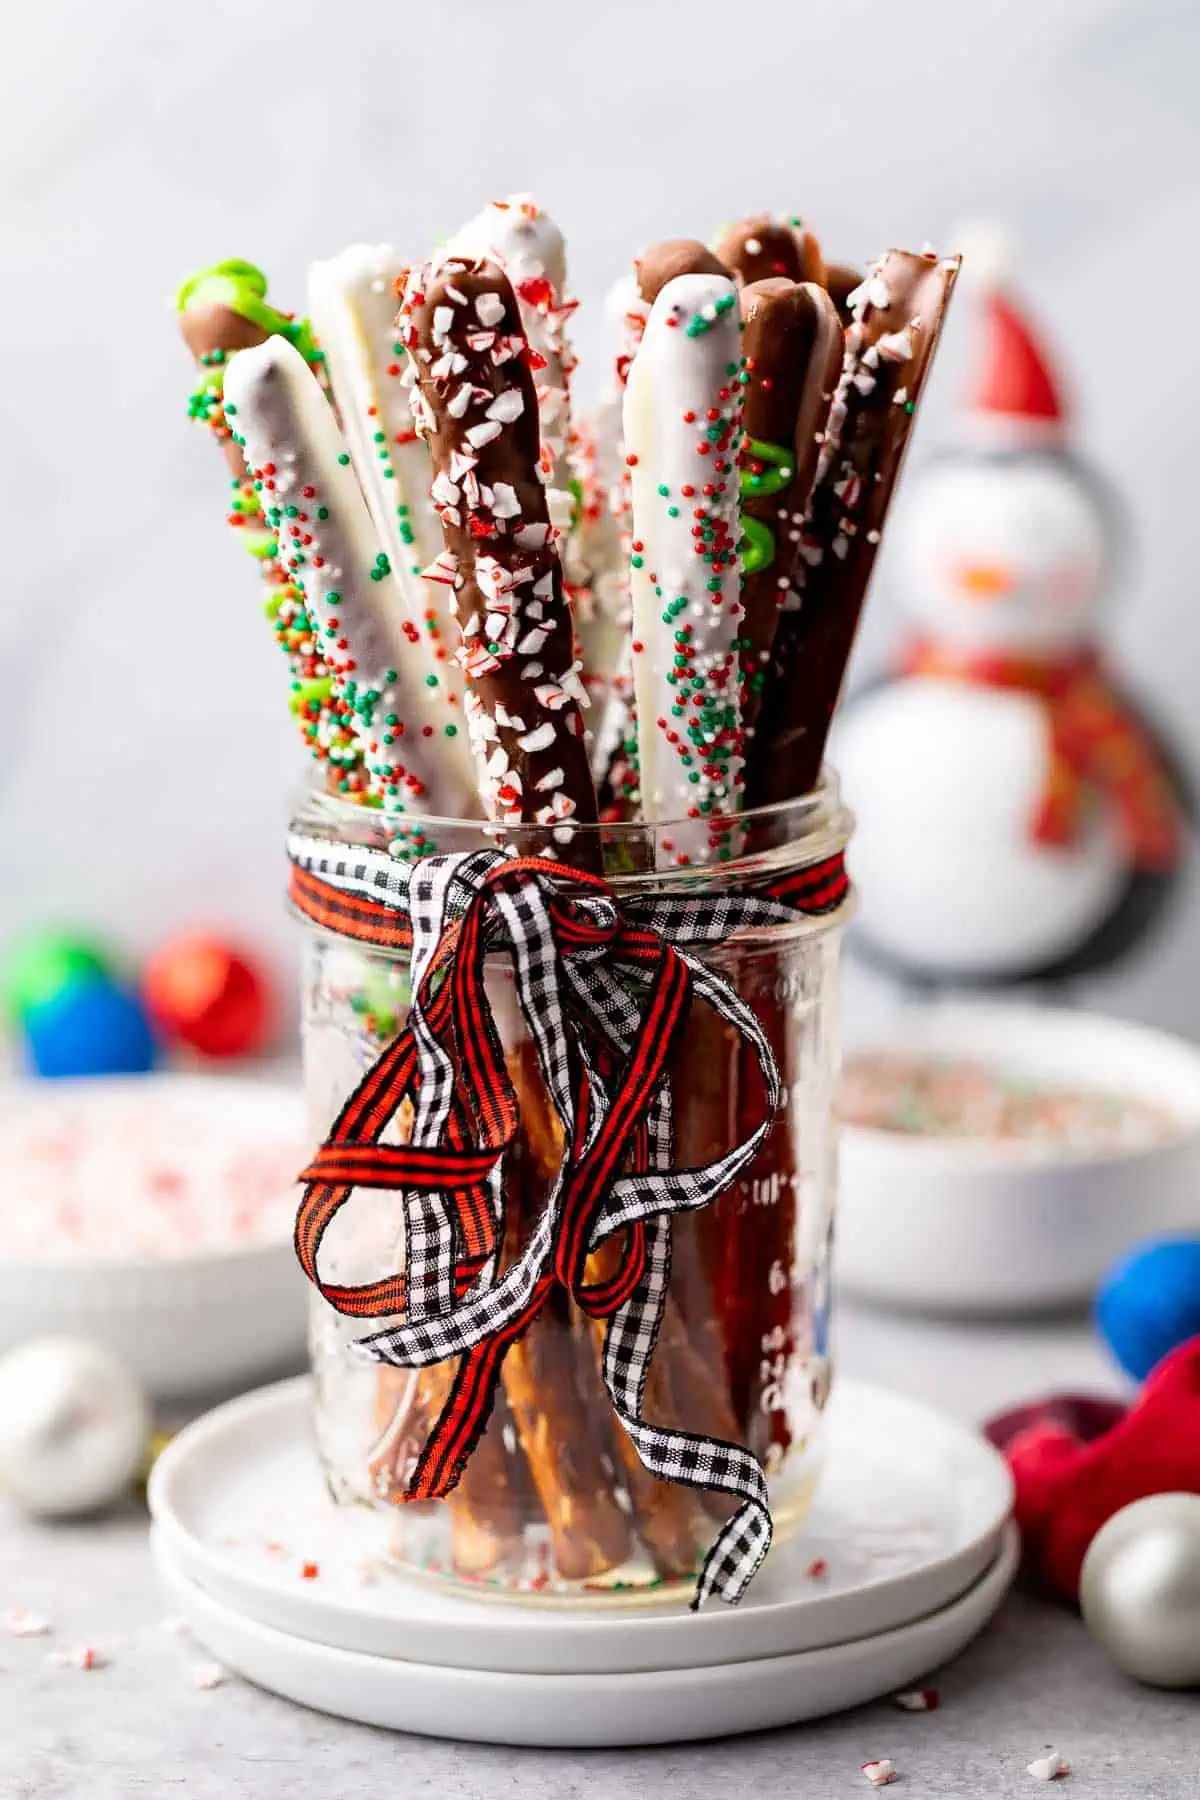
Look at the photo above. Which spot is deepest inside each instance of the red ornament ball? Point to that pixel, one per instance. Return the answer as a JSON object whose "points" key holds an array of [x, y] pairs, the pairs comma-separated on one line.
{"points": [[207, 995]]}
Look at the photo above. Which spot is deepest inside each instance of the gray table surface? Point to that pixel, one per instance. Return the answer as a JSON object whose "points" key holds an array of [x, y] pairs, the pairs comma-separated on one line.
{"points": [[140, 1727]]}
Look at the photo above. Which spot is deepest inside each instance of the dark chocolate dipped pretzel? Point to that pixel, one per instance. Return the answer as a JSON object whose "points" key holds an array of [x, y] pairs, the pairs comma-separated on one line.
{"points": [[898, 314], [763, 247], [793, 345], [475, 403]]}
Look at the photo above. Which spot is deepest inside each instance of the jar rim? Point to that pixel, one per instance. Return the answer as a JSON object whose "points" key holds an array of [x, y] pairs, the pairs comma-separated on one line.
{"points": [[778, 840]]}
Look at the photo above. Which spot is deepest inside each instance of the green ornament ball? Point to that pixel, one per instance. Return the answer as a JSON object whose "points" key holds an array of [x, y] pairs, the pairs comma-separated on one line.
{"points": [[38, 968]]}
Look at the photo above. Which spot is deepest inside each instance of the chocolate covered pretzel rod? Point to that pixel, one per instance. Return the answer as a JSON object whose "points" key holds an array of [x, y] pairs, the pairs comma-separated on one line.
{"points": [[353, 302], [473, 399], [683, 438], [898, 313], [524, 241], [793, 345], [222, 311], [762, 247], [312, 499]]}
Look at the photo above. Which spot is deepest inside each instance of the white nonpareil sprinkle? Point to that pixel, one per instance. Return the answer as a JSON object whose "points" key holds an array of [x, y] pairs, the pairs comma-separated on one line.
{"points": [[1050, 1767], [881, 1773], [209, 1675], [21, 1623]]}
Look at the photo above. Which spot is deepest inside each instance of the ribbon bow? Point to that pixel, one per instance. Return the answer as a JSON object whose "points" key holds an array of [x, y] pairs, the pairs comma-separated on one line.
{"points": [[604, 987]]}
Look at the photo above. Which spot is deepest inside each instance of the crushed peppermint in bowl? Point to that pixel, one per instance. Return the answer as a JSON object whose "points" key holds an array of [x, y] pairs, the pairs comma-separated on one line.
{"points": [[999, 1157], [964, 1097], [154, 1214]]}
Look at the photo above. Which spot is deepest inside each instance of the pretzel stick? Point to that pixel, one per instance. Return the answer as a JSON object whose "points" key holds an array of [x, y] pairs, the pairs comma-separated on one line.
{"points": [[223, 311], [682, 433], [473, 399], [547, 1382], [353, 303], [793, 346], [664, 1511], [327, 544], [898, 315]]}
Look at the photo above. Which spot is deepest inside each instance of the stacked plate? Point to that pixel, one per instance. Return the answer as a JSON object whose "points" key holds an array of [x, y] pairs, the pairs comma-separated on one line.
{"points": [[905, 1556]]}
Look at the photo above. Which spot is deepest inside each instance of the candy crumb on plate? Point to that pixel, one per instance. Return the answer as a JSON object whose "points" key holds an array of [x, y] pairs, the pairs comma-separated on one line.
{"points": [[881, 1773], [19, 1622], [917, 1700], [78, 1656], [1050, 1767], [209, 1675]]}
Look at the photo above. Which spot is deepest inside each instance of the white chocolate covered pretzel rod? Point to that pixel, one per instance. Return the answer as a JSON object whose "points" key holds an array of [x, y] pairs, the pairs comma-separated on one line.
{"points": [[352, 298], [683, 438], [328, 546]]}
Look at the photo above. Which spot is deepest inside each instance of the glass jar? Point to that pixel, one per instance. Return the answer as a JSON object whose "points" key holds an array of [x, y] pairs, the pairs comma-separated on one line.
{"points": [[554, 1500]]}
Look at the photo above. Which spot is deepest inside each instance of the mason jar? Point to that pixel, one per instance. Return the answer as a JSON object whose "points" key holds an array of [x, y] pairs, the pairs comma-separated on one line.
{"points": [[554, 1501]]}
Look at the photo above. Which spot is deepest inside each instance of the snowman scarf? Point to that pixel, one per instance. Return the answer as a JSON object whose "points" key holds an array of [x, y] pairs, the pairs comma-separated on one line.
{"points": [[1096, 744]]}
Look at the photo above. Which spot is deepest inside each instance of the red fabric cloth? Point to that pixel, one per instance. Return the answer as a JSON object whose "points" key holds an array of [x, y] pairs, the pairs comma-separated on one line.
{"points": [[1068, 1485], [1096, 744]]}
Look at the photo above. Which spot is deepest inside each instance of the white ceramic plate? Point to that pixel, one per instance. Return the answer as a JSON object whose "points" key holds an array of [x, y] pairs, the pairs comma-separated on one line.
{"points": [[909, 1512], [576, 1711], [191, 1324], [968, 1225]]}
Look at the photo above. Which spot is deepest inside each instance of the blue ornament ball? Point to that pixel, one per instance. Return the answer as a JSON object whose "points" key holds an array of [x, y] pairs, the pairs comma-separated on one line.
{"points": [[1150, 1303], [90, 1027]]}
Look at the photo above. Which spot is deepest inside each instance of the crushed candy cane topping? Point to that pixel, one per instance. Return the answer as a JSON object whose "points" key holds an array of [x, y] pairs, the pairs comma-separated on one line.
{"points": [[1050, 1767]]}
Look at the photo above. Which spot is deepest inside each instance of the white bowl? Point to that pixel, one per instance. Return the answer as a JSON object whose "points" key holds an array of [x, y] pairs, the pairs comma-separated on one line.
{"points": [[193, 1324], [969, 1225]]}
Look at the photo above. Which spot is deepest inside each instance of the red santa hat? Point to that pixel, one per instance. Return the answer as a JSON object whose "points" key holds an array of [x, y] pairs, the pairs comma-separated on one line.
{"points": [[1014, 394]]}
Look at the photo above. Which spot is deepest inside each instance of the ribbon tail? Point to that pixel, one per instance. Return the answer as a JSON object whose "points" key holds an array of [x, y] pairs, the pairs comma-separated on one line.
{"points": [[682, 1456]]}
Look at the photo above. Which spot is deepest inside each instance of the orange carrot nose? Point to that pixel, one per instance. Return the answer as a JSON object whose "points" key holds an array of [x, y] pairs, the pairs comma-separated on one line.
{"points": [[984, 581]]}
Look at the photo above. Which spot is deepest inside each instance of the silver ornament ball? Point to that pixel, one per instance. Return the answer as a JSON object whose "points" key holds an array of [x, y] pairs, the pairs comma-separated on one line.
{"points": [[74, 1426], [1140, 1589]]}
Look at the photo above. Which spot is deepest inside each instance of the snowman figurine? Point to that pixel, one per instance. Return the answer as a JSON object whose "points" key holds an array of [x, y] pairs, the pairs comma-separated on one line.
{"points": [[1016, 819]]}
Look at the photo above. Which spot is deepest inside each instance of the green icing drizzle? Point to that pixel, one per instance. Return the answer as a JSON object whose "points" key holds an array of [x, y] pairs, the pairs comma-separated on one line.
{"points": [[242, 287], [758, 540]]}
